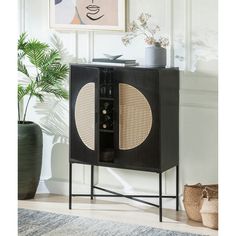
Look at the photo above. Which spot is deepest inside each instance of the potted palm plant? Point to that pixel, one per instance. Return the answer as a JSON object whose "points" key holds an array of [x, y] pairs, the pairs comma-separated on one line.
{"points": [[45, 76]]}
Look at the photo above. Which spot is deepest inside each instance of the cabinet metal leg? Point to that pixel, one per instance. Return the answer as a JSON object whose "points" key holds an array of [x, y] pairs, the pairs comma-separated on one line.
{"points": [[70, 185], [92, 182], [133, 197], [160, 197], [177, 188]]}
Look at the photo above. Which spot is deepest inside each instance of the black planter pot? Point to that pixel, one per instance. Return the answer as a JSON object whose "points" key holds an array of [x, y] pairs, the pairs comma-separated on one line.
{"points": [[30, 146]]}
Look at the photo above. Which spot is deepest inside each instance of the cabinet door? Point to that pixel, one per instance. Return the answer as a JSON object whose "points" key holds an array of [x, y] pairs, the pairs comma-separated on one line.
{"points": [[83, 114], [138, 119]]}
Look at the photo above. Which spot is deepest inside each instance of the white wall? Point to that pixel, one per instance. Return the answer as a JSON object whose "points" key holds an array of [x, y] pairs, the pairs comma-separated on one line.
{"points": [[192, 28]]}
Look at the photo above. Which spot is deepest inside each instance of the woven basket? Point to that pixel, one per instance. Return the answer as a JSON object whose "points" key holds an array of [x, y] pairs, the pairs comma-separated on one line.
{"points": [[193, 200], [209, 210]]}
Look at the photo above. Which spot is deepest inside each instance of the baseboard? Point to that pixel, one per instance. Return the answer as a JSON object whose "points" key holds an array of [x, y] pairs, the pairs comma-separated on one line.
{"points": [[61, 187], [42, 187]]}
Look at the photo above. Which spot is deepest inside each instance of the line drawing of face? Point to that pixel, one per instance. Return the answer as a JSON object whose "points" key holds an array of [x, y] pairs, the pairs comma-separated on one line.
{"points": [[93, 12], [98, 12]]}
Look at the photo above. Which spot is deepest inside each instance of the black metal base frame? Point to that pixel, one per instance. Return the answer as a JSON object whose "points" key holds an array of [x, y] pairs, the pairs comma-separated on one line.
{"points": [[129, 196]]}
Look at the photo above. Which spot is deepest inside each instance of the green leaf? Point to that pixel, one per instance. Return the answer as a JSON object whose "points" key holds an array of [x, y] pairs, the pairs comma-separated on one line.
{"points": [[22, 68], [23, 91], [35, 51], [50, 58], [22, 41], [58, 91], [39, 96]]}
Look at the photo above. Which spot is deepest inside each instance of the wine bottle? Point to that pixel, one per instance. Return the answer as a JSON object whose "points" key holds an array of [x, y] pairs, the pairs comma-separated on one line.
{"points": [[110, 91], [106, 122], [103, 91], [106, 108], [105, 125]]}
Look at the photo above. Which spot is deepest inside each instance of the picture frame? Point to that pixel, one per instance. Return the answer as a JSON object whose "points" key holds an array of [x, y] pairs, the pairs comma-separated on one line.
{"points": [[90, 15]]}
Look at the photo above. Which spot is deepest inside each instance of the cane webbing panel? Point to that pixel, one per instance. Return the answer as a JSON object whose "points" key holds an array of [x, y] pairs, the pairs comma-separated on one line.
{"points": [[135, 117], [85, 115]]}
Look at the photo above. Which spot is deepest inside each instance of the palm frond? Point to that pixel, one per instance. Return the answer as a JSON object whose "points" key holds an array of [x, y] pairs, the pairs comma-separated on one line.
{"points": [[38, 95], [50, 58], [57, 91], [22, 41], [20, 55], [35, 51], [35, 44], [23, 91], [22, 68], [54, 74]]}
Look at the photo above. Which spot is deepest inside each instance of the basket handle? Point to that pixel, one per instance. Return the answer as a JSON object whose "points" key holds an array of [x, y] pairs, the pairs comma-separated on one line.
{"points": [[205, 192], [211, 189]]}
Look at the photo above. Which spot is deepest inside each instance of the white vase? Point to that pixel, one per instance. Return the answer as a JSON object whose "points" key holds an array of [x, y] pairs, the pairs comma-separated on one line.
{"points": [[155, 56]]}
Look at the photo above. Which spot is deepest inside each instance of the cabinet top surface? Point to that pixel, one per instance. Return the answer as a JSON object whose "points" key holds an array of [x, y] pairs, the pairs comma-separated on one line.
{"points": [[123, 67]]}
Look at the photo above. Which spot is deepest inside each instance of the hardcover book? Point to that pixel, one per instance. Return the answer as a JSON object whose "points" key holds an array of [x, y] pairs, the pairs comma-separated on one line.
{"points": [[120, 62]]}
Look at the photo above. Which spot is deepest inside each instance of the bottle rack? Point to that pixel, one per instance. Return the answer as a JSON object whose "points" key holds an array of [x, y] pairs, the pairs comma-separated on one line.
{"points": [[106, 116]]}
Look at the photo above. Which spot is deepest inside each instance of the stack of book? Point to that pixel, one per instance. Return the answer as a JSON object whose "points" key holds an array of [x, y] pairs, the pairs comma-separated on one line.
{"points": [[117, 62]]}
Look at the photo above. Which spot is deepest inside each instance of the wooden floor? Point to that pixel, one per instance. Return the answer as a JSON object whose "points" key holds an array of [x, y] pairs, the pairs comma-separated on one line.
{"points": [[119, 209]]}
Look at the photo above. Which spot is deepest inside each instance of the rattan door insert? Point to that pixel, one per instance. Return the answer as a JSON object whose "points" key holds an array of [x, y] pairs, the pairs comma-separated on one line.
{"points": [[135, 117], [85, 115]]}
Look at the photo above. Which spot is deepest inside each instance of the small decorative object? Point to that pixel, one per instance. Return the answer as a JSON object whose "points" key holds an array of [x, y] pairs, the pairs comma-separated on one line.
{"points": [[110, 57], [87, 14], [47, 77], [155, 54], [209, 210], [193, 200]]}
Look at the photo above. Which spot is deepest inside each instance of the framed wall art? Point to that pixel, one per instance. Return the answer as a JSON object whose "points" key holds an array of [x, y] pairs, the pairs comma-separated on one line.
{"points": [[87, 14]]}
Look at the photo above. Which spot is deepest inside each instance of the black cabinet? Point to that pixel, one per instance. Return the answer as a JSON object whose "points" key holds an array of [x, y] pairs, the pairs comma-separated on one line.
{"points": [[124, 117], [135, 119]]}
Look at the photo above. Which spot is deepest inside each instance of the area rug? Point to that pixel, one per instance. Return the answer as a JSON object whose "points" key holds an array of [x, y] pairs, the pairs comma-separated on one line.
{"points": [[38, 223]]}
